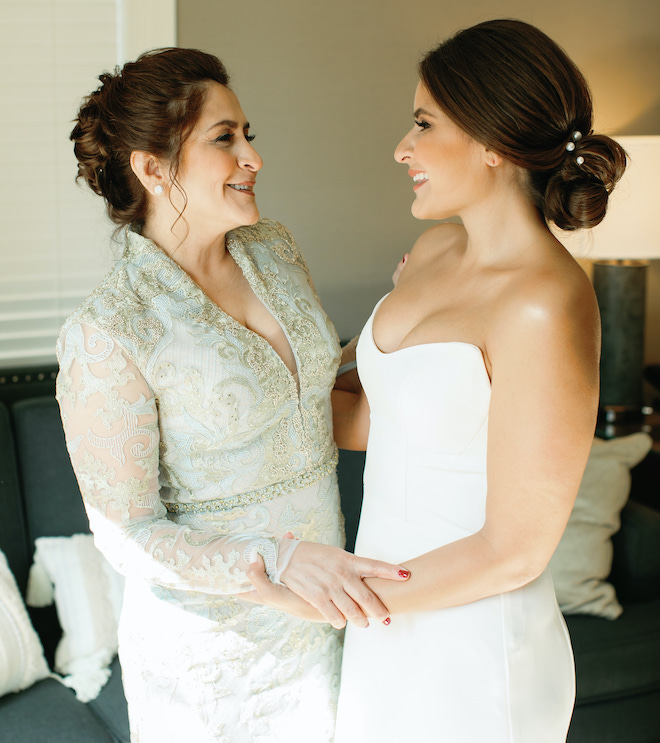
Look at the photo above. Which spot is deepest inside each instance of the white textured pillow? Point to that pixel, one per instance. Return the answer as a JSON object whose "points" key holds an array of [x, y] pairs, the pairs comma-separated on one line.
{"points": [[22, 661], [88, 595], [583, 559]]}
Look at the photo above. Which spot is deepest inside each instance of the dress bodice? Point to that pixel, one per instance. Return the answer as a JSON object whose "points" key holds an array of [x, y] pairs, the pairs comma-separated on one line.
{"points": [[171, 405], [230, 415], [429, 410]]}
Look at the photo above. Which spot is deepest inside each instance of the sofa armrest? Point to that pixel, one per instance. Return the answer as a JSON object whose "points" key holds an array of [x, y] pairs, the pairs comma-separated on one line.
{"points": [[645, 481]]}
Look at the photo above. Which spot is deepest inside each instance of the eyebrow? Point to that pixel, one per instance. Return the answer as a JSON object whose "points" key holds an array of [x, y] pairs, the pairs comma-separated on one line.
{"points": [[421, 111], [229, 123]]}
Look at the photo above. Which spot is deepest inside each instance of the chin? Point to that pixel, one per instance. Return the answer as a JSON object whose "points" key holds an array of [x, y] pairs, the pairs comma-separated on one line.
{"points": [[255, 218], [420, 213], [248, 220]]}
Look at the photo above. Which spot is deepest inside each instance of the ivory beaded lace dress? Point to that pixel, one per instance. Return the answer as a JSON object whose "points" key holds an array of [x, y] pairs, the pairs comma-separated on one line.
{"points": [[194, 446]]}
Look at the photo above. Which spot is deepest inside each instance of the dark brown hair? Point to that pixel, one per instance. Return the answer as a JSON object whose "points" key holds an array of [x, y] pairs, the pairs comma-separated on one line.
{"points": [[151, 105], [510, 87]]}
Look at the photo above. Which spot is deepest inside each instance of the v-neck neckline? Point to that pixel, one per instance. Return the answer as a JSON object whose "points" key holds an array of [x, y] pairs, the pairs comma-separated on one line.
{"points": [[237, 251]]}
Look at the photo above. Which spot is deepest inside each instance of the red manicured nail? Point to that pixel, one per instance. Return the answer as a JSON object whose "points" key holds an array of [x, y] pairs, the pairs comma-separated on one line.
{"points": [[404, 573], [386, 621]]}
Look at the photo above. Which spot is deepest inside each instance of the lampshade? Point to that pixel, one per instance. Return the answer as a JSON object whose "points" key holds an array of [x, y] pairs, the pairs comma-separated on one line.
{"points": [[631, 228]]}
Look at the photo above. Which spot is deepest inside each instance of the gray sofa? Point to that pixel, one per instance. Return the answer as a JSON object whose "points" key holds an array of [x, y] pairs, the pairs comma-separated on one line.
{"points": [[618, 662], [39, 497]]}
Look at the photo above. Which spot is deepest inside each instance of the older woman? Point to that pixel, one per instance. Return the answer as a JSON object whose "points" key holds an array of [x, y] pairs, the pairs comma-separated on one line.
{"points": [[195, 394]]}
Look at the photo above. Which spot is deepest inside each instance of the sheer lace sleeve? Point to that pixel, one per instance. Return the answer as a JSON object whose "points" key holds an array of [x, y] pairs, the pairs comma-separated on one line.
{"points": [[110, 421]]}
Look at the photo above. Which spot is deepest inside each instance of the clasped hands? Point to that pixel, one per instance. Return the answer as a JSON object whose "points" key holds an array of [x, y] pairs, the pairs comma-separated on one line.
{"points": [[324, 584]]}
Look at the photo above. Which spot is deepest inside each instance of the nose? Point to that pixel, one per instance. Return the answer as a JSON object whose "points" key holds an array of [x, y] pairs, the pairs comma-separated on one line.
{"points": [[249, 158], [404, 149]]}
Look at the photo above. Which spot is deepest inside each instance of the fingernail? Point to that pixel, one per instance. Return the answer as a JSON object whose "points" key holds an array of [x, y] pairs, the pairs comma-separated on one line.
{"points": [[386, 621], [404, 573]]}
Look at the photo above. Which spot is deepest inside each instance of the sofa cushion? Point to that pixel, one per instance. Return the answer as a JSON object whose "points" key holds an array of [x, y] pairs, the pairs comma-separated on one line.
{"points": [[628, 720], [110, 705], [22, 661], [583, 559], [12, 525], [617, 659], [53, 503], [49, 713]]}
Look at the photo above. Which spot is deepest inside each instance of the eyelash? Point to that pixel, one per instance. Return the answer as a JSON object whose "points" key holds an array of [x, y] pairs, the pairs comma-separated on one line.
{"points": [[228, 137], [422, 124]]}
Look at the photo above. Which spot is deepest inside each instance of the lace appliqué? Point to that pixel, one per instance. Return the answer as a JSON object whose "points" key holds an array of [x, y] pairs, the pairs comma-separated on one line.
{"points": [[214, 419]]}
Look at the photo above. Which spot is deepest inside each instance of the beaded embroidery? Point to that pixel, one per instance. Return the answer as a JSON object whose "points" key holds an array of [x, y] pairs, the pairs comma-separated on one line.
{"points": [[257, 496]]}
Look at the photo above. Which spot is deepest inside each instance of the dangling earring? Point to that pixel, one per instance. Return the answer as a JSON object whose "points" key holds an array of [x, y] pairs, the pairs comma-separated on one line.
{"points": [[158, 189]]}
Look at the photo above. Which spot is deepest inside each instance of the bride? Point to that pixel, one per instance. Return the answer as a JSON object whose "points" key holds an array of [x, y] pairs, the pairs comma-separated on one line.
{"points": [[480, 375]]}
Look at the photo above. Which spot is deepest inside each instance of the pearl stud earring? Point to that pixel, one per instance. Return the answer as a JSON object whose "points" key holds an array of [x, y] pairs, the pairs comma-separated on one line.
{"points": [[158, 189]]}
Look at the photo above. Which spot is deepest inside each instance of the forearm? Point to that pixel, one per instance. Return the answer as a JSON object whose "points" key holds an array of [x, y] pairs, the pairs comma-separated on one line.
{"points": [[458, 573], [347, 375], [350, 419]]}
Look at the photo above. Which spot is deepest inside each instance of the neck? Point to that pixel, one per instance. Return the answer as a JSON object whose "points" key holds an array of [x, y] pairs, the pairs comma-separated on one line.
{"points": [[504, 226], [194, 249]]}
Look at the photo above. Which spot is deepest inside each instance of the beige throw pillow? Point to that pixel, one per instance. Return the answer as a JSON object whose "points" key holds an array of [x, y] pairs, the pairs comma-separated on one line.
{"points": [[22, 661], [583, 559]]}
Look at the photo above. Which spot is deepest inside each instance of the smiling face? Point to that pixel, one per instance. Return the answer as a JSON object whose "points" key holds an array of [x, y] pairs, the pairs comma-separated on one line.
{"points": [[447, 166], [218, 167]]}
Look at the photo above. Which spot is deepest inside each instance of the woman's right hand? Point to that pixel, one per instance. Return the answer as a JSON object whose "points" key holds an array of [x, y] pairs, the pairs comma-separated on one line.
{"points": [[399, 268], [331, 580]]}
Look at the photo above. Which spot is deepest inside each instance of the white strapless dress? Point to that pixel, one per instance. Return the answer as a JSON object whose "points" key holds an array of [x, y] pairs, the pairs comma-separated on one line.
{"points": [[499, 670]]}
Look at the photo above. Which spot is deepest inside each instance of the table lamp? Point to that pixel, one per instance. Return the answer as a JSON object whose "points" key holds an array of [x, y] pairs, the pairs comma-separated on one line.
{"points": [[620, 248]]}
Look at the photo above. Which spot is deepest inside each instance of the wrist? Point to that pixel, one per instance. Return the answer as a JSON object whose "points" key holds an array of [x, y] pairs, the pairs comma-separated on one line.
{"points": [[286, 549], [347, 367]]}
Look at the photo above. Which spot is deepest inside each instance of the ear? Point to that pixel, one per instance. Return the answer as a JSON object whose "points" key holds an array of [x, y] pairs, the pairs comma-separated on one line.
{"points": [[149, 170], [492, 159]]}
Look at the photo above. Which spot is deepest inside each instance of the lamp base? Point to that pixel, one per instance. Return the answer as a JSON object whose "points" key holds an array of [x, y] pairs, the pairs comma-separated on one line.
{"points": [[620, 288]]}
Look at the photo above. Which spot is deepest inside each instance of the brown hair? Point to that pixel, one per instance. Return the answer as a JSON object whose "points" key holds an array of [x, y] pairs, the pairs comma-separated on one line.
{"points": [[510, 87], [150, 105]]}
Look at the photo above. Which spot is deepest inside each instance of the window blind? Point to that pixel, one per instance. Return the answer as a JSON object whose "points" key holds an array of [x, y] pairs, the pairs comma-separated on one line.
{"points": [[55, 238]]}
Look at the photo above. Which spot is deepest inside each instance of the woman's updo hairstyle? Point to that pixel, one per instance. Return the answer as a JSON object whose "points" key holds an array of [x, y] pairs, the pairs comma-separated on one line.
{"points": [[151, 105], [510, 87]]}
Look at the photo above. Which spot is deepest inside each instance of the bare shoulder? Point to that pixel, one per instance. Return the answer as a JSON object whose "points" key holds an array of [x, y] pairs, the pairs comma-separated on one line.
{"points": [[549, 310]]}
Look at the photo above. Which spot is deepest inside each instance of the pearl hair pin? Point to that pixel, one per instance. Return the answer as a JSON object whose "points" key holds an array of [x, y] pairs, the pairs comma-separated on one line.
{"points": [[158, 189], [575, 137]]}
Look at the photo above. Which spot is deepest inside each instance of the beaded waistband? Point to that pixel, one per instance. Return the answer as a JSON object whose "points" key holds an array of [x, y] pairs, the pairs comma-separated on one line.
{"points": [[270, 492]]}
